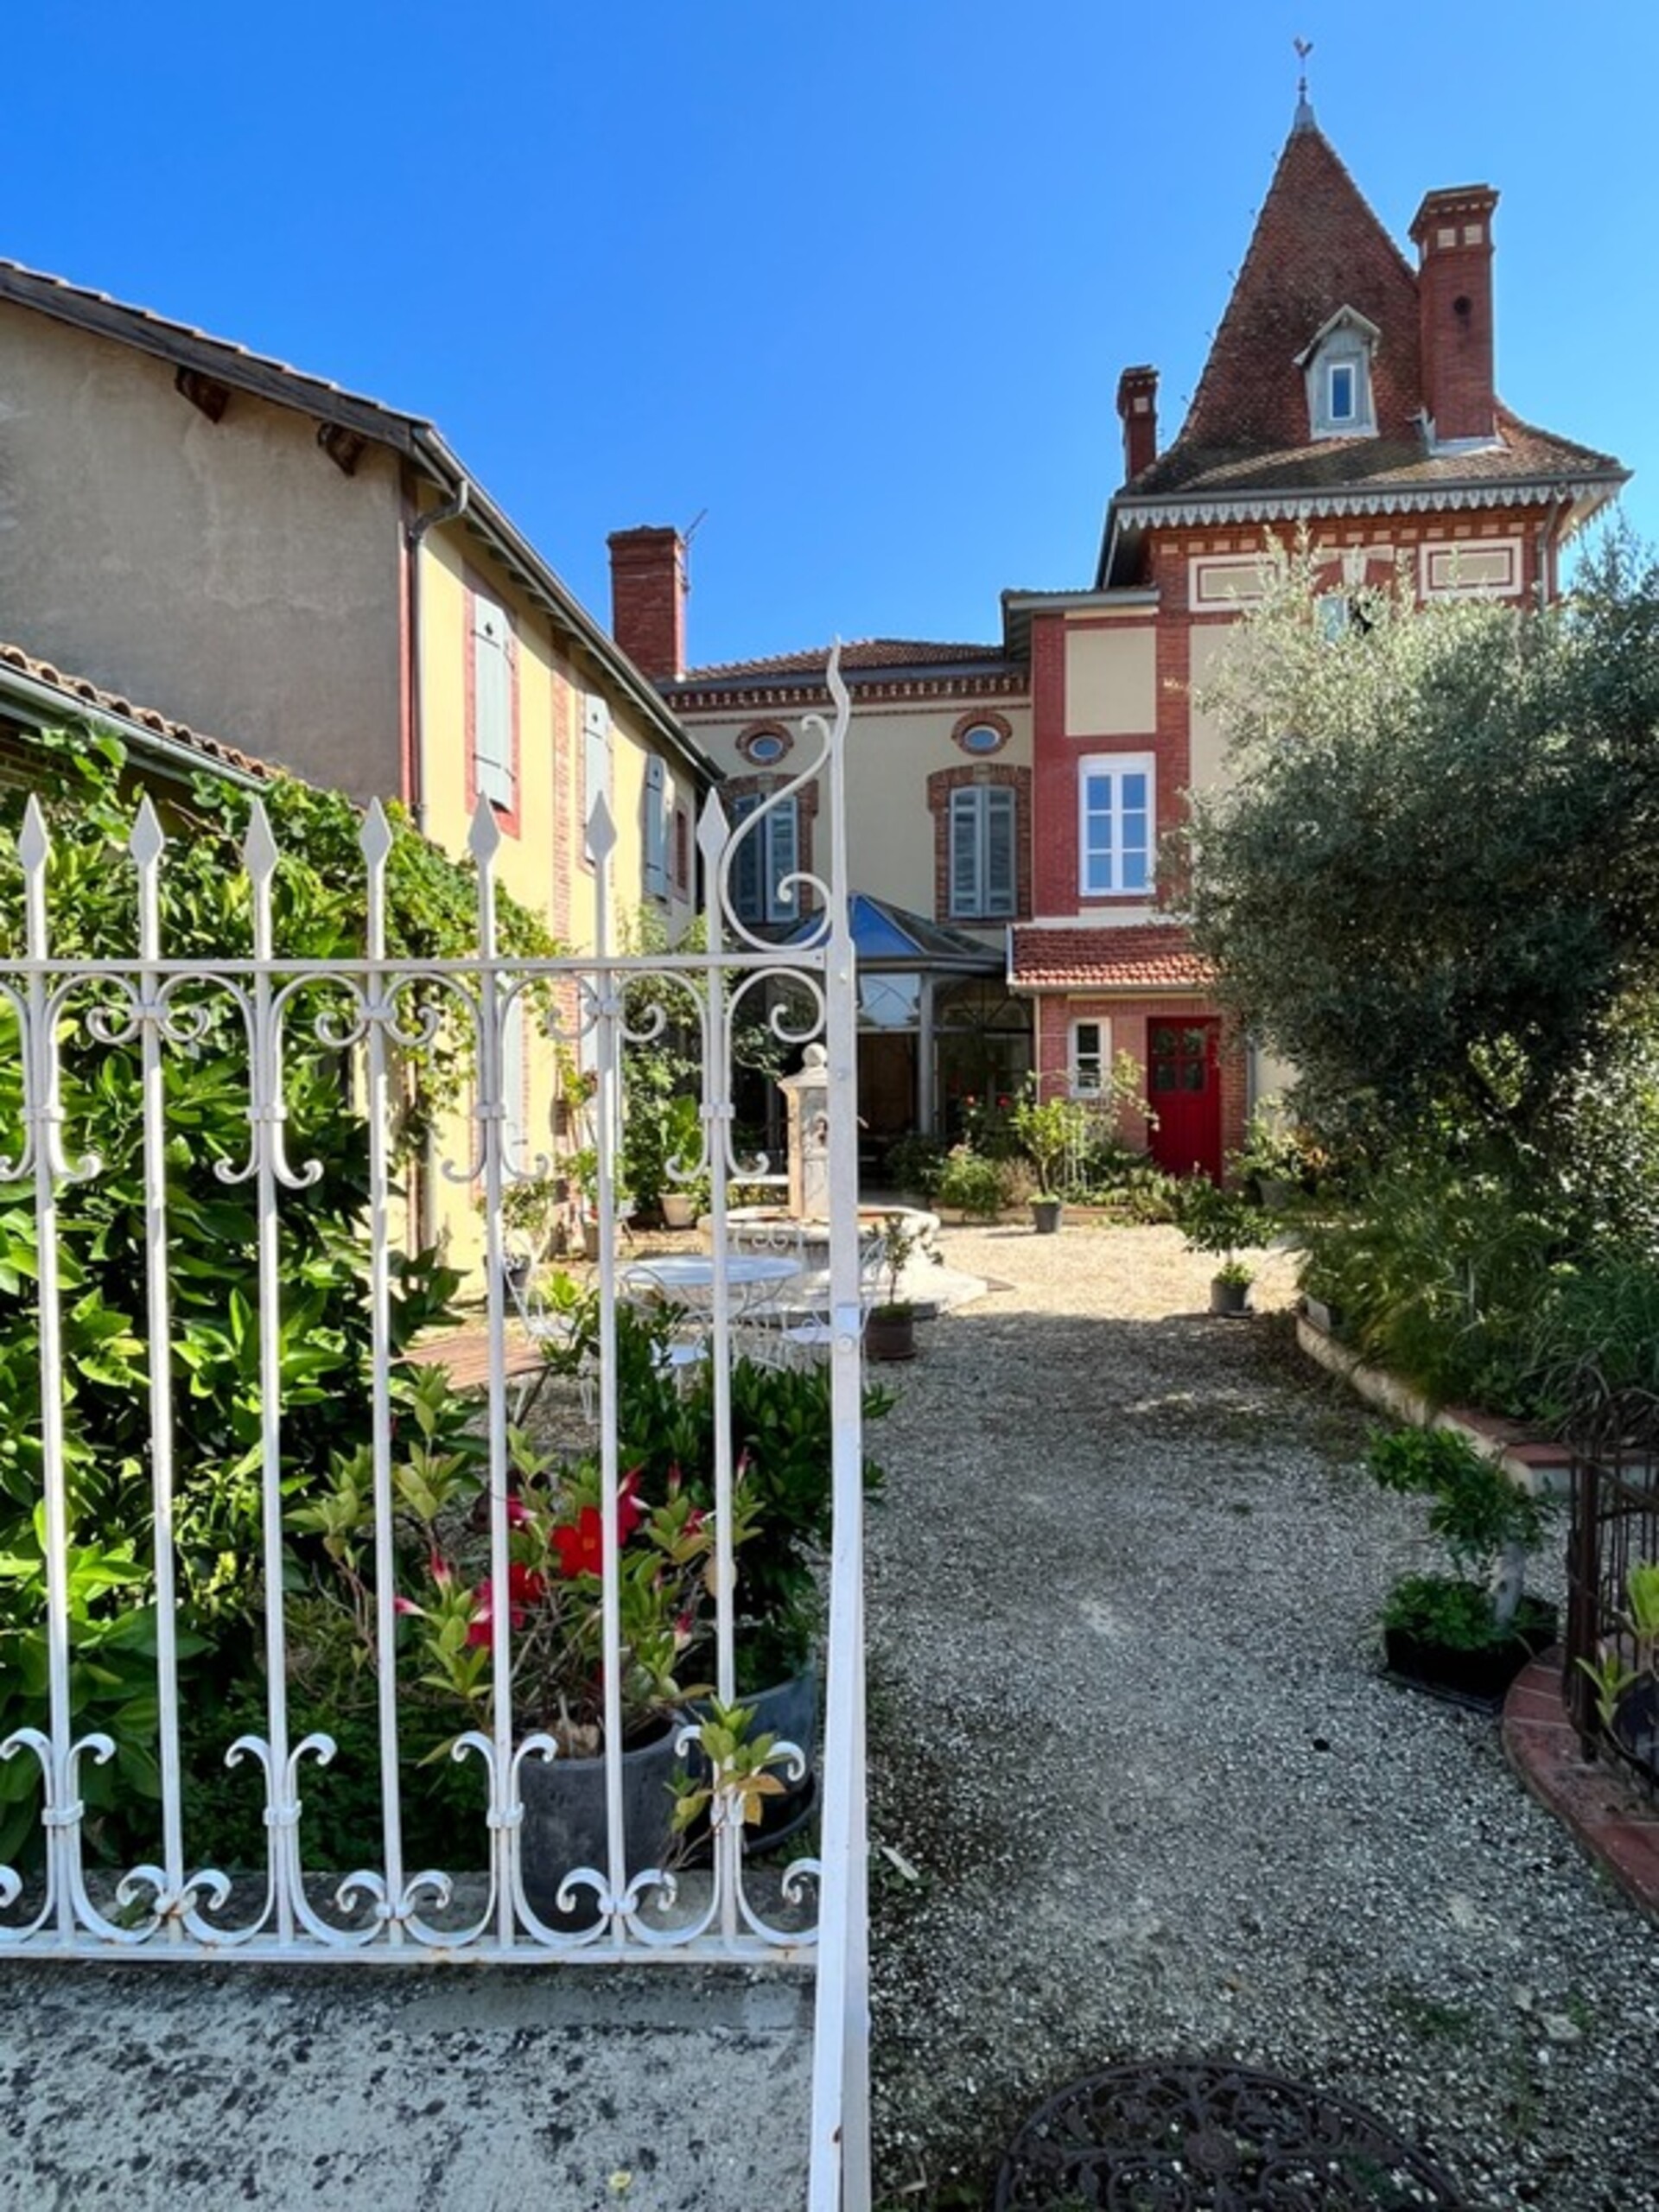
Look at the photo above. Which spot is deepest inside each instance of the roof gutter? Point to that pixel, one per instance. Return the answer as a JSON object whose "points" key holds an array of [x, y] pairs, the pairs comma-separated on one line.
{"points": [[414, 538]]}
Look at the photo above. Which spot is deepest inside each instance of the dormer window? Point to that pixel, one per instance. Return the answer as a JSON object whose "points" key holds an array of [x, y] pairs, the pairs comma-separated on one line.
{"points": [[1337, 367]]}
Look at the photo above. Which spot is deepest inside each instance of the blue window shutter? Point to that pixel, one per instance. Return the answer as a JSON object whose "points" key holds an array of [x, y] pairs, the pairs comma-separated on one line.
{"points": [[1000, 870], [491, 701], [746, 863], [656, 826], [596, 760], [781, 906], [965, 893]]}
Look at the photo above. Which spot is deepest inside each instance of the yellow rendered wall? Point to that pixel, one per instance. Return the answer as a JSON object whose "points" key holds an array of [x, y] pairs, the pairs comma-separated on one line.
{"points": [[541, 862], [892, 752], [1111, 680]]}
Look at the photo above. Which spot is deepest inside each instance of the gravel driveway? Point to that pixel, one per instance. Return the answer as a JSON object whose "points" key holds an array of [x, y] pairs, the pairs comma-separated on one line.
{"points": [[1152, 1798]]}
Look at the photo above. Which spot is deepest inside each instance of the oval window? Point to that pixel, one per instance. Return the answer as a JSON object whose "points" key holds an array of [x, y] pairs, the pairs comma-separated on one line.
{"points": [[764, 748], [982, 739]]}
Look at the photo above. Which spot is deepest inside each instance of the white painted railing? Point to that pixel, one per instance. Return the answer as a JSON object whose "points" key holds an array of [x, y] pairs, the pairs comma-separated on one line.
{"points": [[362, 1017]]}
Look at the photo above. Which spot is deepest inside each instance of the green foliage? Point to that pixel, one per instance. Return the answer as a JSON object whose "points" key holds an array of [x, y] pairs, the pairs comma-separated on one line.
{"points": [[1219, 1219], [1439, 1256], [1051, 1132], [976, 1186], [1445, 1610], [1477, 1511], [1427, 882], [323, 1336], [1590, 1357], [917, 1164], [781, 1431]]}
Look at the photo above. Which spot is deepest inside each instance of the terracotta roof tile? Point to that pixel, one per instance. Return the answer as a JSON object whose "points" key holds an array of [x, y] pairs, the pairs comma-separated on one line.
{"points": [[1317, 247], [860, 657], [80, 695], [1139, 956]]}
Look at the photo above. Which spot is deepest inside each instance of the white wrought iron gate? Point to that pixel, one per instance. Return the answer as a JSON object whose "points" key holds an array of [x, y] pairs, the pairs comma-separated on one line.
{"points": [[108, 1604]]}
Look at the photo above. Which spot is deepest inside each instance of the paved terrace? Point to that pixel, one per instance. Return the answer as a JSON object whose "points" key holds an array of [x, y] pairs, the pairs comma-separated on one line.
{"points": [[1139, 1793]]}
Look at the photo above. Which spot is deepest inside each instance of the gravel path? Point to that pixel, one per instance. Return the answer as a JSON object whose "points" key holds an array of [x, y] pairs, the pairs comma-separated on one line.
{"points": [[1129, 1739]]}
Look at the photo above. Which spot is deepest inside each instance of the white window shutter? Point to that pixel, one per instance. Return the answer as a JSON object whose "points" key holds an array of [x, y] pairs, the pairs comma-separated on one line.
{"points": [[596, 760], [491, 701], [656, 826]]}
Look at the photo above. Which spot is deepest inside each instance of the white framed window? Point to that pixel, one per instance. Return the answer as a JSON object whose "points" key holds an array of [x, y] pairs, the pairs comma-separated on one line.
{"points": [[983, 868], [1117, 815], [763, 857], [1337, 367], [491, 701], [1090, 1058], [595, 761]]}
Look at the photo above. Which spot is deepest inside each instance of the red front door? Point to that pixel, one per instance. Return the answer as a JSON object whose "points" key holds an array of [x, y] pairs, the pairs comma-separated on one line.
{"points": [[1184, 1091]]}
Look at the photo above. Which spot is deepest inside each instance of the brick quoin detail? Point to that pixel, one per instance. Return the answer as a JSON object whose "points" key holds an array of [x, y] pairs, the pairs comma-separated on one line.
{"points": [[940, 786], [1055, 798]]}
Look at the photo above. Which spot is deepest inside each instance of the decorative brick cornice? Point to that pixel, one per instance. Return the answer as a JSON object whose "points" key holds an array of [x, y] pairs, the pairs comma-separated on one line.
{"points": [[689, 699]]}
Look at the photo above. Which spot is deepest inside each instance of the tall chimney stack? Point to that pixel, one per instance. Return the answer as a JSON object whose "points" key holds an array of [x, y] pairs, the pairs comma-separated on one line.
{"points": [[1453, 233], [648, 589], [1137, 407]]}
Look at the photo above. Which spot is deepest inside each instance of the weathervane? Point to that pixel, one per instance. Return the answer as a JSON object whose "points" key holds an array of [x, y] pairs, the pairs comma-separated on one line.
{"points": [[1303, 46]]}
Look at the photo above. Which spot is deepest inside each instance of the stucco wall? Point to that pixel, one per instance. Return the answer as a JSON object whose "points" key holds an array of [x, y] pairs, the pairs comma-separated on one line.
{"points": [[228, 574], [892, 750], [1110, 679]]}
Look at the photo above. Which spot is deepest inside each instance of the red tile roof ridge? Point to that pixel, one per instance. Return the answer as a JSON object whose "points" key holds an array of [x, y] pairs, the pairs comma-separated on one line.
{"points": [[858, 655]]}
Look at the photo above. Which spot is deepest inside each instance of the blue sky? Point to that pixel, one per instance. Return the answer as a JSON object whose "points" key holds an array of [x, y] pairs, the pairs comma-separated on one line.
{"points": [[852, 281]]}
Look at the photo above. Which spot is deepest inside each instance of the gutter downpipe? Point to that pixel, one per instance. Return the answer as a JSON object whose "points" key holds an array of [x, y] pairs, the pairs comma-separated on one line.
{"points": [[414, 538]]}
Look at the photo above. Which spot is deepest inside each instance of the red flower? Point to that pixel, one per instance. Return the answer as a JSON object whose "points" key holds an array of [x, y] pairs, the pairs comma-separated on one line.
{"points": [[525, 1588], [580, 1543]]}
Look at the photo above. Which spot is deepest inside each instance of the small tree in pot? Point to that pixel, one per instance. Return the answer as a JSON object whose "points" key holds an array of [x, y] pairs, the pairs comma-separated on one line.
{"points": [[1222, 1222], [1472, 1631], [1051, 1132]]}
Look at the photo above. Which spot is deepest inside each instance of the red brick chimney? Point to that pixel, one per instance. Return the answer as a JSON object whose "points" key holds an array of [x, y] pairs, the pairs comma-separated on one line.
{"points": [[1137, 407], [648, 589], [1453, 233]]}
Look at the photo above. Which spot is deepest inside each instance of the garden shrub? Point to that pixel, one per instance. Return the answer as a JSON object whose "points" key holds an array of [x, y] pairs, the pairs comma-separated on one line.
{"points": [[325, 1339]]}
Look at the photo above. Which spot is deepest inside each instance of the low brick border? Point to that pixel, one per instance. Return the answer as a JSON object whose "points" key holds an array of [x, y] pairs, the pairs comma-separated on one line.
{"points": [[1607, 1814], [1615, 1825]]}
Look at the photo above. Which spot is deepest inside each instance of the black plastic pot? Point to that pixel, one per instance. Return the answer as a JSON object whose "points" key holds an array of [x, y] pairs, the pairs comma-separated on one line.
{"points": [[1479, 1676], [1045, 1216], [1232, 1299], [890, 1335], [564, 1823]]}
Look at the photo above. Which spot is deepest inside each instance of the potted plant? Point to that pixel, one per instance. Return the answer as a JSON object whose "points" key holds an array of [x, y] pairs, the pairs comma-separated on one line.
{"points": [[1050, 1132], [1222, 1221], [582, 1168], [890, 1328], [1464, 1635], [684, 1192], [453, 1612]]}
